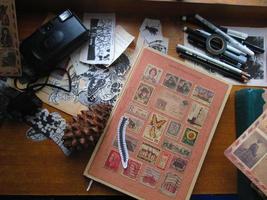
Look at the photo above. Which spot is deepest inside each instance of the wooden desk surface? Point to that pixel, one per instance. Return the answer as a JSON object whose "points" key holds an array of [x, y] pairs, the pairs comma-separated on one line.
{"points": [[40, 168]]}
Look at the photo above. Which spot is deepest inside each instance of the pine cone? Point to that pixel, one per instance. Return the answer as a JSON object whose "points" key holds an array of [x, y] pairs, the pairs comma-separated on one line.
{"points": [[86, 128]]}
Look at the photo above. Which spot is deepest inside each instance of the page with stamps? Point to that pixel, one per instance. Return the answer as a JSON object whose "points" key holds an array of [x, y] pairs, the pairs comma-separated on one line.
{"points": [[172, 113], [249, 153], [9, 42]]}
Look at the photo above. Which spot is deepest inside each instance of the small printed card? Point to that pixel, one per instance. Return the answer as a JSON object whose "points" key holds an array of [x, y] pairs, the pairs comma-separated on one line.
{"points": [[249, 153], [151, 30], [9, 41], [100, 48]]}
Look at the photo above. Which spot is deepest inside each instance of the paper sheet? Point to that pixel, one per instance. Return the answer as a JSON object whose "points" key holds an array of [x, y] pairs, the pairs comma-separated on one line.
{"points": [[122, 40], [10, 64], [100, 47], [151, 30], [159, 45]]}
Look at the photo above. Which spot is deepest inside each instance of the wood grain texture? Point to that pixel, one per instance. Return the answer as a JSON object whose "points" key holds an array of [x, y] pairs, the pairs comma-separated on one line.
{"points": [[40, 168]]}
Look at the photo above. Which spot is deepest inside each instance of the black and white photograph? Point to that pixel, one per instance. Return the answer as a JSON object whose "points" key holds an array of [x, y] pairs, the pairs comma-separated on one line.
{"points": [[252, 149], [151, 30], [100, 47]]}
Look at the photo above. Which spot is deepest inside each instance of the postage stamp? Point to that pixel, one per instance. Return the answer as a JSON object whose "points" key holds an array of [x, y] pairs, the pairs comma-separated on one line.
{"points": [[184, 87], [143, 93], [113, 161], [133, 169], [179, 164], [252, 149], [131, 143], [176, 148], [150, 177], [148, 153], [171, 184], [171, 104], [137, 111], [173, 128], [152, 74], [190, 136], [134, 124], [155, 128], [203, 95], [170, 81], [163, 160], [161, 104], [263, 126], [197, 115], [260, 170]]}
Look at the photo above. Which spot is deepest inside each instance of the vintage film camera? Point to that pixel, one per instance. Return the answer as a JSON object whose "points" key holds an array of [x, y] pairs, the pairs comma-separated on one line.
{"points": [[52, 42]]}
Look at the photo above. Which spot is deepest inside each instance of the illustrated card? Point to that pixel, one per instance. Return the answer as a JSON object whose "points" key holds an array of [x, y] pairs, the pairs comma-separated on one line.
{"points": [[9, 42], [151, 30], [100, 48], [170, 125], [96, 85], [249, 153], [160, 45]]}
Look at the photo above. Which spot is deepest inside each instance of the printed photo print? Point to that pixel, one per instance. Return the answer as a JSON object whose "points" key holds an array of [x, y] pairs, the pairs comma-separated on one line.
{"points": [[197, 115], [260, 170], [257, 64], [143, 93], [203, 95], [252, 149], [152, 74], [170, 81], [184, 87]]}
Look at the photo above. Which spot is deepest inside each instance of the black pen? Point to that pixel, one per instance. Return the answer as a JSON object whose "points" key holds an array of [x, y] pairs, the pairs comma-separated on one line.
{"points": [[253, 47], [237, 34], [240, 78], [212, 61]]}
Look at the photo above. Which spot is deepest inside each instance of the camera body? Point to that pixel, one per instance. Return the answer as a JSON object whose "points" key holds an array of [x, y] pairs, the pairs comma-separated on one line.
{"points": [[52, 42]]}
